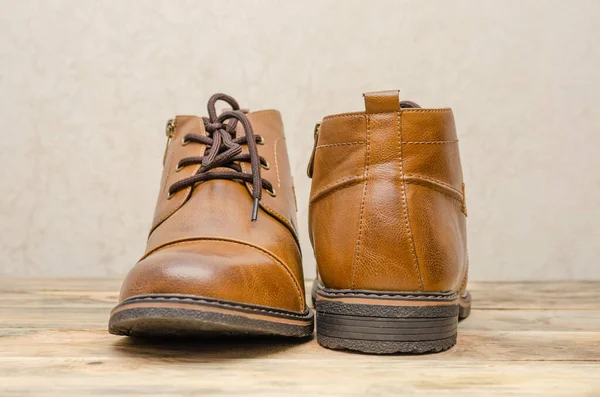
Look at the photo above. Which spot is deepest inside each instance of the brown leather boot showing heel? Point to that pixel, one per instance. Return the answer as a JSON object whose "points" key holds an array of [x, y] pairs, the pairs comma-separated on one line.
{"points": [[223, 255], [387, 222]]}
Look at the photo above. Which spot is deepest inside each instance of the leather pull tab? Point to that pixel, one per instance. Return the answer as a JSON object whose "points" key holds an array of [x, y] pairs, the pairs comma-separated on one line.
{"points": [[382, 101]]}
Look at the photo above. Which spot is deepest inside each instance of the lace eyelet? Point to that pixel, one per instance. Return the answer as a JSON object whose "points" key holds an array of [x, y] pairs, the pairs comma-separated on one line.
{"points": [[265, 166], [261, 141], [170, 196], [184, 142], [179, 168], [272, 193]]}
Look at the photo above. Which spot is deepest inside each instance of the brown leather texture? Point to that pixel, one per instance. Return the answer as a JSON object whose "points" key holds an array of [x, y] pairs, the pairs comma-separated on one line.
{"points": [[202, 241], [387, 209]]}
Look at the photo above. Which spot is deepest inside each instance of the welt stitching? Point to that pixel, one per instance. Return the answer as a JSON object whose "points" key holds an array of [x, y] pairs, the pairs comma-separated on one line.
{"points": [[200, 300], [384, 295], [362, 202], [405, 205], [340, 144], [294, 281]]}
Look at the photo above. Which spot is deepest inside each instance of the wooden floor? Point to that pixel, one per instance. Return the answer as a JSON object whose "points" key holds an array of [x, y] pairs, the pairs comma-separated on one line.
{"points": [[522, 338]]}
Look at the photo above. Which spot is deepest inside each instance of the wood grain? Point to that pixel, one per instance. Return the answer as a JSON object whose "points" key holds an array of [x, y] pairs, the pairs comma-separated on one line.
{"points": [[522, 338]]}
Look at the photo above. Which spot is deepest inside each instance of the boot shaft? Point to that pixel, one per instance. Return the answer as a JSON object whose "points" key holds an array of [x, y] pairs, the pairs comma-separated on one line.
{"points": [[387, 209]]}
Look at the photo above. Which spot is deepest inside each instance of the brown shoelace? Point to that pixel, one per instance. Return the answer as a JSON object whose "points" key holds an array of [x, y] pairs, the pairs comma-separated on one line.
{"points": [[224, 150]]}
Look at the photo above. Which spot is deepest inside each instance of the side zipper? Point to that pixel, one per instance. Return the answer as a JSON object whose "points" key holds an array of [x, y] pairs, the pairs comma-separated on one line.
{"points": [[169, 132], [311, 162]]}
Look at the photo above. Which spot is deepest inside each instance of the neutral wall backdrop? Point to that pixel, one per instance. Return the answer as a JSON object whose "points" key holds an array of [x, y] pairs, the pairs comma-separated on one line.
{"points": [[86, 87]]}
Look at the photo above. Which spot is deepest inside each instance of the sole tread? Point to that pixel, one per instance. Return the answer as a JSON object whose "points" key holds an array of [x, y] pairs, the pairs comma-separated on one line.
{"points": [[426, 325]]}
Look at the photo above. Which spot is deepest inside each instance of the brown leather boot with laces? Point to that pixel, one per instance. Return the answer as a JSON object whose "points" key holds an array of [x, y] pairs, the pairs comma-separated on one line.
{"points": [[223, 253]]}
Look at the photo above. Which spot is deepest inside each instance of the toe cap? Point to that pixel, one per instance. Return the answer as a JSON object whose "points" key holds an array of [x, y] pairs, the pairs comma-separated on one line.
{"points": [[217, 269]]}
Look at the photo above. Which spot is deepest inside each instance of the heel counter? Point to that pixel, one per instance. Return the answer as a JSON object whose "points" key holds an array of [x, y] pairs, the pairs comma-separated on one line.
{"points": [[435, 190], [338, 174], [385, 257]]}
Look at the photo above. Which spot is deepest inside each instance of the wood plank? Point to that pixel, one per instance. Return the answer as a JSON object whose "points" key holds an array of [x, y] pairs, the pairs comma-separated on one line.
{"points": [[571, 295], [568, 295], [286, 378], [59, 284], [536, 339], [532, 320], [50, 299], [482, 346]]}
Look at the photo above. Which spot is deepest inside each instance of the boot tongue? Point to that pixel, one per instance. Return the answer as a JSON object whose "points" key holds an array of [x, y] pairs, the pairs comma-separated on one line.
{"points": [[408, 105]]}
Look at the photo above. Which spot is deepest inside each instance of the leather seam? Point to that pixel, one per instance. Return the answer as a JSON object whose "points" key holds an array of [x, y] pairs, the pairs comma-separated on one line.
{"points": [[405, 205], [436, 185], [340, 144], [445, 110], [281, 218], [345, 116], [276, 162], [429, 142], [188, 191], [463, 284], [362, 202], [414, 110], [437, 181], [184, 199], [271, 255], [428, 185], [341, 182], [287, 223], [168, 167], [347, 184]]}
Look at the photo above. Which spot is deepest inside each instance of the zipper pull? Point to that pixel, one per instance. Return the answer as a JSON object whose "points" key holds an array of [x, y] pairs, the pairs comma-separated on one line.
{"points": [[311, 162], [169, 132]]}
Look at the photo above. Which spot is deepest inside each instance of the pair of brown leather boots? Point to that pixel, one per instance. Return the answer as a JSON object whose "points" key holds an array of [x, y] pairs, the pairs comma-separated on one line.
{"points": [[386, 221]]}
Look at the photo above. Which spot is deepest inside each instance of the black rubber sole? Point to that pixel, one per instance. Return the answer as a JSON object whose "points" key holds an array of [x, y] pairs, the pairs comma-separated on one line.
{"points": [[192, 316], [388, 322]]}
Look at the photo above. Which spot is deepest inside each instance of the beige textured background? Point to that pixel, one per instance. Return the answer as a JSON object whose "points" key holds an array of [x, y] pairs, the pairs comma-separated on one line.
{"points": [[86, 87]]}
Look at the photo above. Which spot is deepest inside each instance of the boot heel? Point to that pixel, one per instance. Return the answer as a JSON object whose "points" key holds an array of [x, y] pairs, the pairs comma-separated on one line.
{"points": [[385, 322]]}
